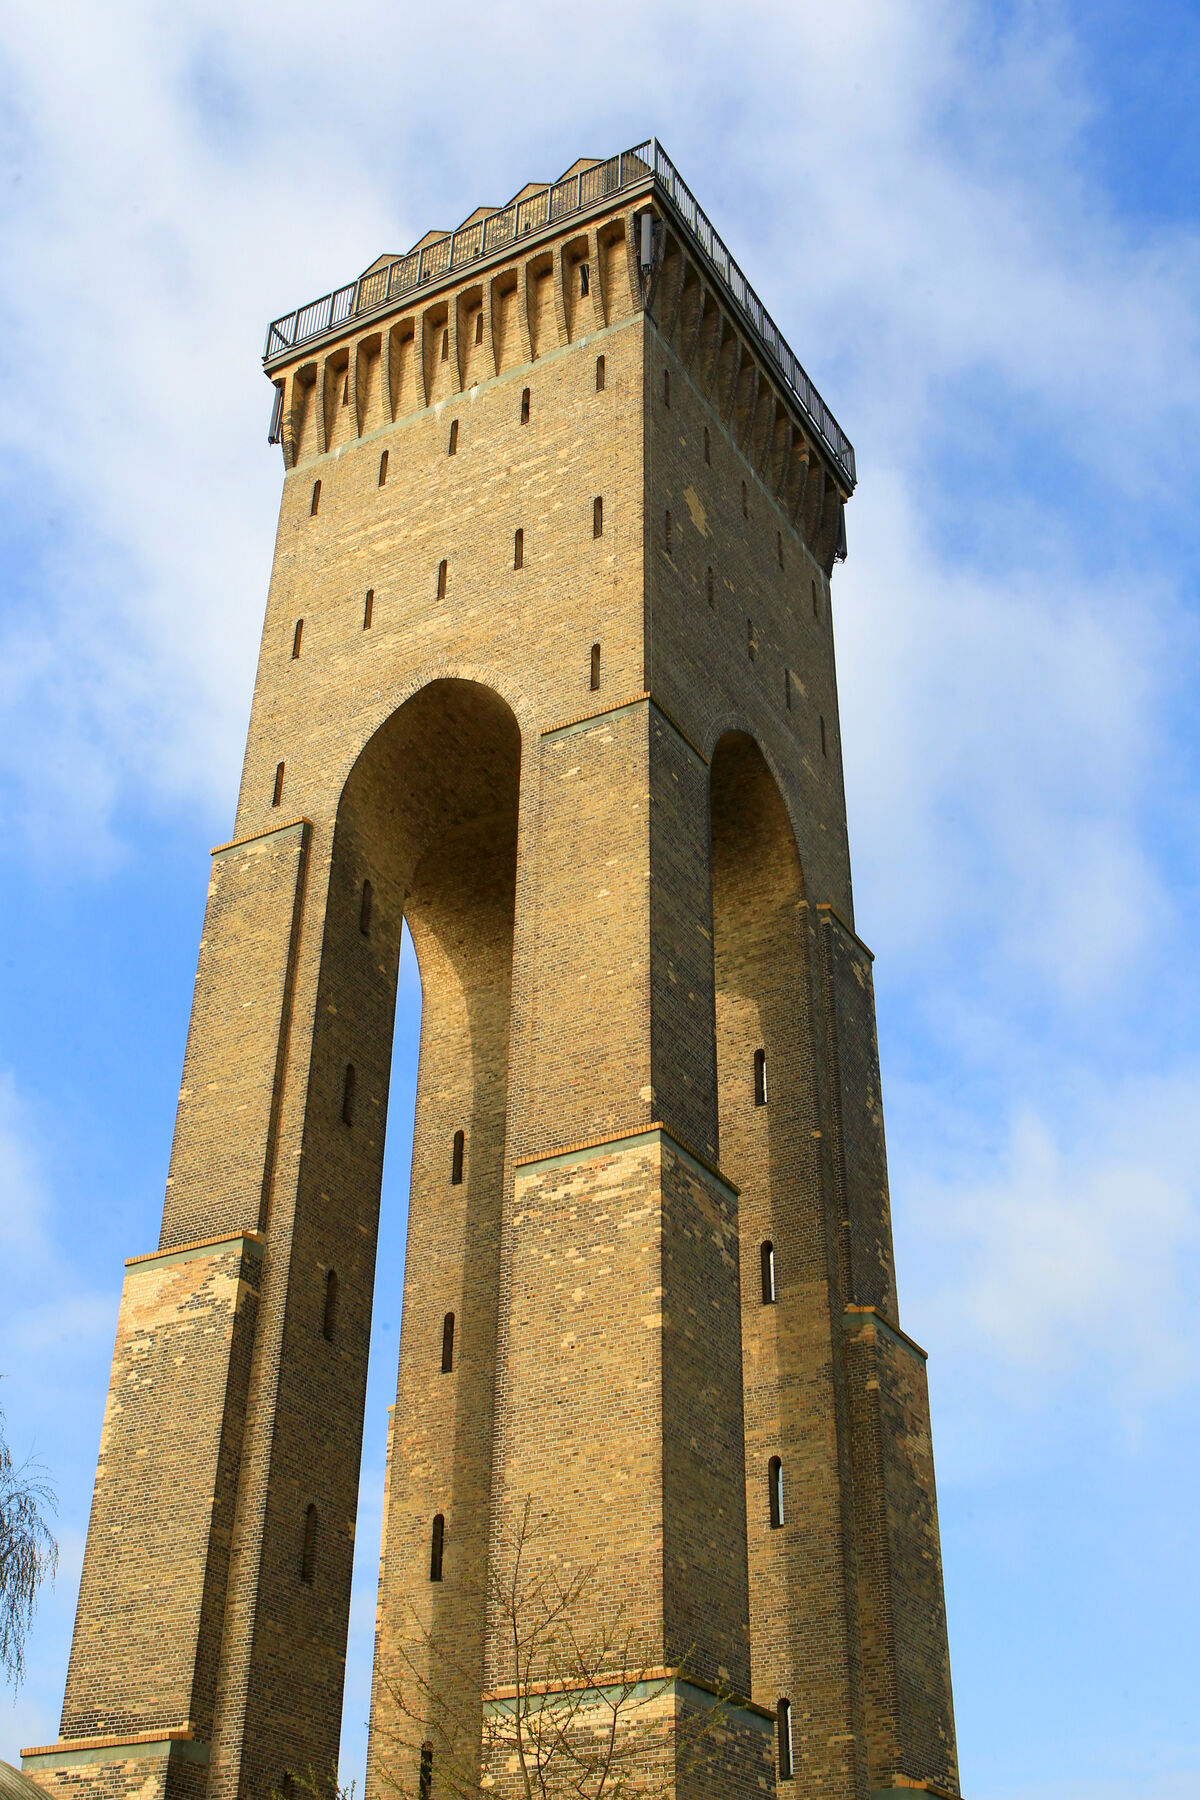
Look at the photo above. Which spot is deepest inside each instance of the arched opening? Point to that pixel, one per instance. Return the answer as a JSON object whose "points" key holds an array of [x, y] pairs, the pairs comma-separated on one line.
{"points": [[766, 1107], [783, 1739], [428, 817]]}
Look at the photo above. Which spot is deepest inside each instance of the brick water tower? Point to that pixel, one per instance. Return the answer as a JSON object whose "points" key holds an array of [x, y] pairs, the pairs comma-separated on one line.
{"points": [[548, 673]]}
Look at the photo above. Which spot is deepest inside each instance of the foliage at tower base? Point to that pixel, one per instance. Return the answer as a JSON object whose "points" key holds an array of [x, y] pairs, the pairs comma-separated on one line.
{"points": [[580, 1712]]}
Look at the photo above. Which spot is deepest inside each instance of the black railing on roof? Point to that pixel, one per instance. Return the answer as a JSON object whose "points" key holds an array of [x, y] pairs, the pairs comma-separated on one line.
{"points": [[383, 287]]}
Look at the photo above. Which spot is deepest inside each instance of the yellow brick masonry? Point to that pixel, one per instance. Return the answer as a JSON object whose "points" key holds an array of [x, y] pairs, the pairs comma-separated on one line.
{"points": [[617, 894]]}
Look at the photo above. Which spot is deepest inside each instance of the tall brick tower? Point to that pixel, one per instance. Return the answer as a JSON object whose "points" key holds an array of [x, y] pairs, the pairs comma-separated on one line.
{"points": [[547, 671]]}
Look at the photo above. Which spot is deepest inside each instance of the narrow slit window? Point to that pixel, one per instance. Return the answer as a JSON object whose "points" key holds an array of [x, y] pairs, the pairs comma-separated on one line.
{"points": [[383, 462], [308, 1554], [287, 1787], [707, 446], [599, 374], [585, 280], [329, 1319], [446, 345], [425, 1778], [787, 689], [296, 636], [775, 1492], [666, 387], [813, 585], [456, 1159], [348, 1080], [315, 507], [767, 1260], [519, 548], [479, 326], [779, 548], [760, 1078], [443, 574], [824, 747], [368, 609], [745, 502], [277, 795], [783, 1739], [436, 1546], [595, 668], [708, 581], [453, 446], [364, 910], [598, 516], [667, 534], [524, 406], [448, 1344], [345, 390]]}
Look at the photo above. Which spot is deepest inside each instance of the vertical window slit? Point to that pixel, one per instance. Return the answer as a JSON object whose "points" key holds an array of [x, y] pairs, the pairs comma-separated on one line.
{"points": [[787, 689], [813, 585], [329, 1319], [442, 575], [708, 580], [345, 390], [707, 446], [479, 326], [783, 1736], [456, 1159], [425, 1779], [598, 516], [348, 1080], [599, 374], [383, 462], [779, 547], [824, 749], [524, 406], [745, 502], [296, 636], [436, 1546], [760, 1078], [368, 609], [519, 548], [315, 507], [666, 387], [767, 1260], [585, 280], [308, 1555], [453, 449], [595, 668], [446, 345], [277, 796], [448, 1344], [667, 533], [775, 1492]]}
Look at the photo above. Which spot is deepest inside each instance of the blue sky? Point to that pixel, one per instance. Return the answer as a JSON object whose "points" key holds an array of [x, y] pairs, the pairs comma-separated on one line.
{"points": [[978, 227]]}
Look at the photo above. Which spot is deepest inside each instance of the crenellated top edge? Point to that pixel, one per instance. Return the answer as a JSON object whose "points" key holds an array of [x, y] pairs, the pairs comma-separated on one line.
{"points": [[536, 211]]}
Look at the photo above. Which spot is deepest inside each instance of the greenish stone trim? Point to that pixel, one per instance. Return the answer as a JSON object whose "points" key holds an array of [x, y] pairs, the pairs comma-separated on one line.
{"points": [[253, 1244], [634, 1140], [641, 1691], [186, 1749], [256, 837], [867, 1315], [592, 720]]}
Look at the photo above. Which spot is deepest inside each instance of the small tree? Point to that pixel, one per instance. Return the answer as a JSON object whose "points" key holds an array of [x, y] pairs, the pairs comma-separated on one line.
{"points": [[28, 1552], [575, 1719]]}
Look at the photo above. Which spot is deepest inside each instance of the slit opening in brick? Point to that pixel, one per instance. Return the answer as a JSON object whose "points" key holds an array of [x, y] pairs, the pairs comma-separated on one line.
{"points": [[599, 374], [437, 1544], [448, 1344], [524, 406], [453, 446], [767, 1262], [442, 578], [383, 463], [456, 1159], [296, 636], [760, 1078], [519, 548], [368, 609], [775, 1492], [315, 504], [277, 795], [598, 516], [595, 668], [783, 1739]]}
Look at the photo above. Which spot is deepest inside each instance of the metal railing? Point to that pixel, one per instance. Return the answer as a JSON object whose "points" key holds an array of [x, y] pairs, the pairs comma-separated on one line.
{"points": [[484, 237]]}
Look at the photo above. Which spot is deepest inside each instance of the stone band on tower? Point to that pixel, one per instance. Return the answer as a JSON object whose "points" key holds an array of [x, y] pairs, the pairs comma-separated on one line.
{"points": [[547, 671]]}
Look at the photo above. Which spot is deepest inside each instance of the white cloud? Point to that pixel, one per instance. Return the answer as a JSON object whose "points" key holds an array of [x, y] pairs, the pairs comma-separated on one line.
{"points": [[1072, 1251]]}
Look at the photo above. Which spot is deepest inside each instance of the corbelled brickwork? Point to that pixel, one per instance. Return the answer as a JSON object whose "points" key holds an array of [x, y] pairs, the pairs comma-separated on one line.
{"points": [[547, 671]]}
